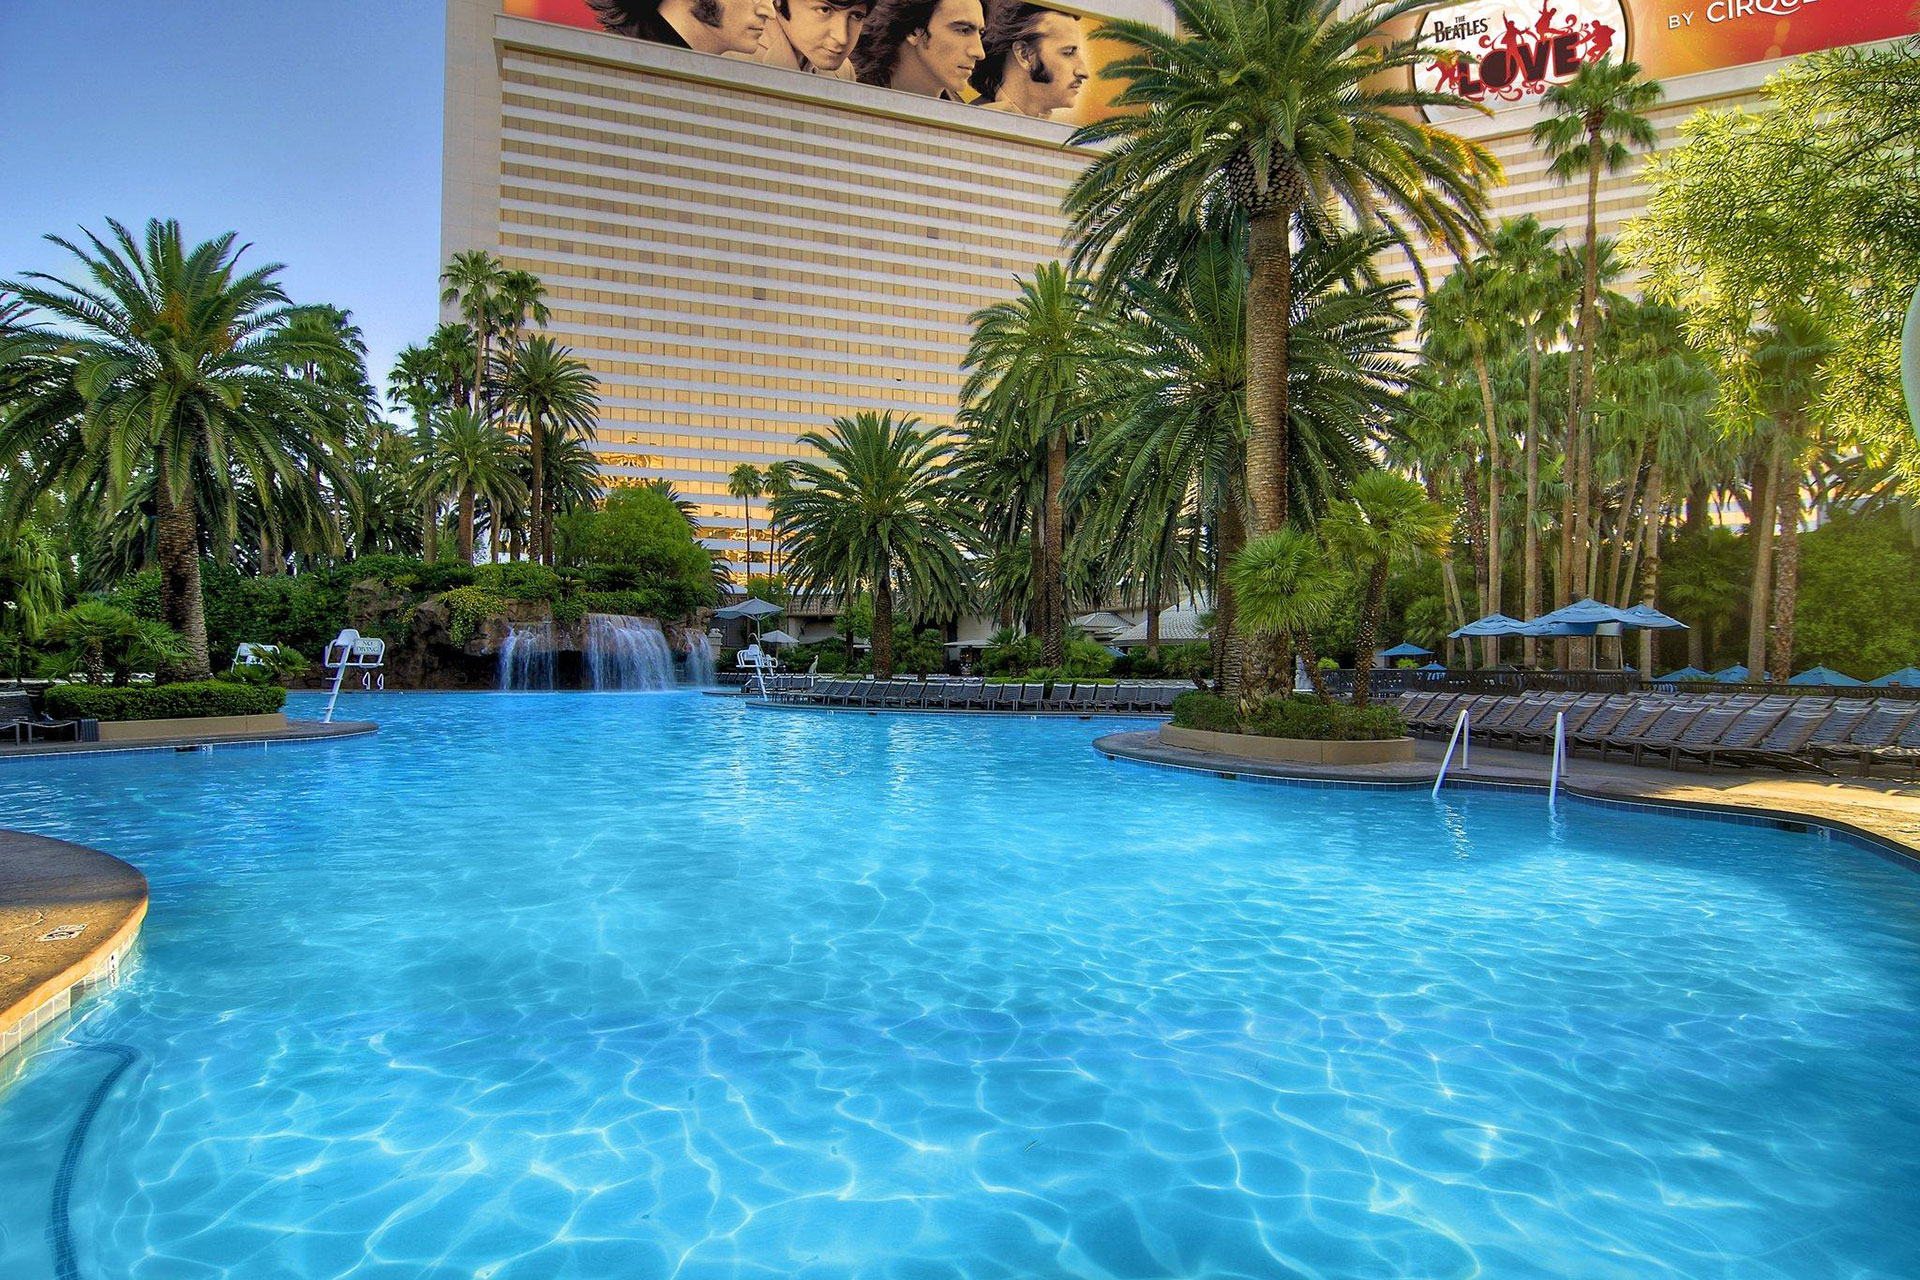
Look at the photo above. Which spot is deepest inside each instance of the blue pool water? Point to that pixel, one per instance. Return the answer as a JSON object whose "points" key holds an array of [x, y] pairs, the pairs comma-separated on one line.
{"points": [[631, 985]]}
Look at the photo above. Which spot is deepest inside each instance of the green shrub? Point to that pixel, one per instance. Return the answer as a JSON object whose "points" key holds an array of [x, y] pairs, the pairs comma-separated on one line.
{"points": [[1008, 654], [1309, 718], [467, 611], [1209, 711], [164, 701], [518, 580], [1193, 660], [1086, 657]]}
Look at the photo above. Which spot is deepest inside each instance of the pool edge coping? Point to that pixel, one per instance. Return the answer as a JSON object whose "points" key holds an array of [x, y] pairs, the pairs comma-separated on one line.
{"points": [[308, 731], [1769, 815], [61, 982]]}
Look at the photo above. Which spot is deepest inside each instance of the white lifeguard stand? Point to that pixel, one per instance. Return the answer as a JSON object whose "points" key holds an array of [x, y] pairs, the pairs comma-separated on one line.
{"points": [[758, 662], [351, 651]]}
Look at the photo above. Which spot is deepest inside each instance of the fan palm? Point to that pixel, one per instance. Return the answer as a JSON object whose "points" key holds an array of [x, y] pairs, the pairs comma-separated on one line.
{"points": [[1285, 584], [1273, 110], [179, 360], [1387, 522], [1029, 363], [472, 282], [879, 511], [552, 396]]}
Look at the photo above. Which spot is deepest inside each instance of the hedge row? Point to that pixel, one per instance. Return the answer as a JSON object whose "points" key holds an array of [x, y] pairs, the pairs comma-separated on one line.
{"points": [[163, 701], [1296, 717]]}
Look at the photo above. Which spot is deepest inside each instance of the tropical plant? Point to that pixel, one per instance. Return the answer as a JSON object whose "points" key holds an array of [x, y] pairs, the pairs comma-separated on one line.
{"points": [[1387, 522], [1268, 111], [100, 638], [1285, 586], [171, 363], [746, 483], [551, 396], [472, 461], [878, 511]]}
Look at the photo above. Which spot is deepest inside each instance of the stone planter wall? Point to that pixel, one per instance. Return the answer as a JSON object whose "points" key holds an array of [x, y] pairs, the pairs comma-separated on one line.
{"points": [[198, 727], [1296, 750]]}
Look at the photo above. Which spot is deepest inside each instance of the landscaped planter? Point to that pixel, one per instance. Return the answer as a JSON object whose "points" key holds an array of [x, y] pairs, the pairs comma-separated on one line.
{"points": [[197, 727], [1295, 750]]}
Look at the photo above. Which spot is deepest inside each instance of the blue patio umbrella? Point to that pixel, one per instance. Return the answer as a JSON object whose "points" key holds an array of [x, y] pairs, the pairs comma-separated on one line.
{"points": [[1405, 650], [1434, 666], [1582, 613], [1494, 624], [1824, 675], [1735, 674], [1686, 673], [1905, 678], [1648, 618]]}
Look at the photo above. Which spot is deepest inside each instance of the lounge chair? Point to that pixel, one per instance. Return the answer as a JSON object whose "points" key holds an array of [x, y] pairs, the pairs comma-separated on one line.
{"points": [[1528, 722], [1160, 701], [1031, 697], [1781, 748], [1622, 715], [1702, 732], [1904, 750], [1060, 697], [1103, 696], [1748, 730], [1660, 733]]}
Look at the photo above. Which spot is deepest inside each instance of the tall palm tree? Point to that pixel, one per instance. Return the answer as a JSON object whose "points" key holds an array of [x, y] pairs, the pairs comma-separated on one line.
{"points": [[1275, 111], [1593, 123], [1789, 366], [1387, 522], [746, 483], [180, 360], [472, 282], [552, 396], [471, 460], [1029, 362], [1526, 263], [879, 511], [778, 478], [1285, 585]]}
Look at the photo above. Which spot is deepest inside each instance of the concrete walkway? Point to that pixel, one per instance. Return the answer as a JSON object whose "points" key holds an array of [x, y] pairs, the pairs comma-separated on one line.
{"points": [[296, 731], [1884, 811], [68, 916]]}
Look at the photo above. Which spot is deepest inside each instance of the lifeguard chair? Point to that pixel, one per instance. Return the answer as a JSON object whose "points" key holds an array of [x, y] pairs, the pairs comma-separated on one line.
{"points": [[351, 651]]}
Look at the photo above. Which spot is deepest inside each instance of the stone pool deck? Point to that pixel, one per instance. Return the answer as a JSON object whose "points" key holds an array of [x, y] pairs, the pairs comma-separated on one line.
{"points": [[296, 731], [68, 917], [1882, 812]]}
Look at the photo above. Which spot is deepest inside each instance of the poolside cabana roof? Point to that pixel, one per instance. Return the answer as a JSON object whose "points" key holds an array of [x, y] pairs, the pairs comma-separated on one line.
{"points": [[1178, 625]]}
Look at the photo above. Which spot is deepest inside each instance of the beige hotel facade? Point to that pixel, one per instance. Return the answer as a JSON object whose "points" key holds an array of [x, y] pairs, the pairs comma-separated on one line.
{"points": [[741, 252]]}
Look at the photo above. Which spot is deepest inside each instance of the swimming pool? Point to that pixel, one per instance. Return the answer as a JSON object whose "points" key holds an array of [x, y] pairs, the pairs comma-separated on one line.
{"points": [[638, 985]]}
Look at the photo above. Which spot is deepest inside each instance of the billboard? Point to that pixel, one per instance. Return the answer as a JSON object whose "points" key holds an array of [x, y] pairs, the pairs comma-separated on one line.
{"points": [[1505, 53], [999, 55]]}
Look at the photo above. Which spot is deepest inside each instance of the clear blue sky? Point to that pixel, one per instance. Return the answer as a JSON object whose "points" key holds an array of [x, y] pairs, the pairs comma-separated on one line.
{"points": [[311, 129]]}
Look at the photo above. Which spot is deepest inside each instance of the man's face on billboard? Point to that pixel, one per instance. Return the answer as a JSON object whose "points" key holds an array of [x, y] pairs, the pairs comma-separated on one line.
{"points": [[821, 33], [737, 25], [1056, 61], [950, 46]]}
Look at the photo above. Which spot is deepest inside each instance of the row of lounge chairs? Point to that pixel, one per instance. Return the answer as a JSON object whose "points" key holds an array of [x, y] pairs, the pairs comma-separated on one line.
{"points": [[20, 724], [1803, 734], [978, 695]]}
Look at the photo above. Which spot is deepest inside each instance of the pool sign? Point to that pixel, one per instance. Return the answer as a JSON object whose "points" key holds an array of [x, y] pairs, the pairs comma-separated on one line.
{"points": [[1506, 53]]}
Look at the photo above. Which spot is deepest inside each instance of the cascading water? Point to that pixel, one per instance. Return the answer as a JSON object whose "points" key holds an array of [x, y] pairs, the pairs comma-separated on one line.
{"points": [[526, 658], [626, 653], [700, 660]]}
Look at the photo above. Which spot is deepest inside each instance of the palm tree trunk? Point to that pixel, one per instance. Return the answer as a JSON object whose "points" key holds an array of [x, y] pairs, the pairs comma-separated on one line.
{"points": [[466, 528], [1616, 587], [1229, 652], [1760, 529], [1699, 497], [1650, 564], [1786, 571], [882, 628], [1153, 620], [1477, 536], [1366, 632], [537, 454], [181, 604], [1530, 551], [1589, 303], [746, 532], [1312, 664], [1053, 641], [1493, 481], [1037, 599], [1269, 314]]}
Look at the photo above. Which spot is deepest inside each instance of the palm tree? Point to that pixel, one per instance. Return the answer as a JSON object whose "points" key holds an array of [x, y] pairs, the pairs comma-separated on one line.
{"points": [[30, 586], [1285, 585], [472, 282], [880, 511], [552, 396], [1466, 318], [779, 481], [1593, 122], [1272, 111], [1789, 362], [1388, 521], [180, 359], [746, 483], [472, 459], [1029, 362], [1526, 263]]}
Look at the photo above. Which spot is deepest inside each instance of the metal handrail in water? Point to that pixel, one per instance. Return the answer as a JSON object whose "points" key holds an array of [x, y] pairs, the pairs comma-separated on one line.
{"points": [[1559, 759], [1462, 738]]}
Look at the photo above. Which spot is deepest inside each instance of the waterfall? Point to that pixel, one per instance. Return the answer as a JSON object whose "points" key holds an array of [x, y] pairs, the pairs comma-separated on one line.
{"points": [[627, 653], [526, 658], [700, 659]]}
